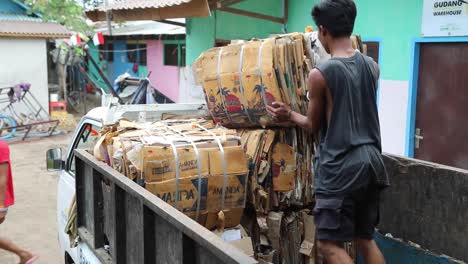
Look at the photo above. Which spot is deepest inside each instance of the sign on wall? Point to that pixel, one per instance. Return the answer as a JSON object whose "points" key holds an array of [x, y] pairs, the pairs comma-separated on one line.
{"points": [[445, 18]]}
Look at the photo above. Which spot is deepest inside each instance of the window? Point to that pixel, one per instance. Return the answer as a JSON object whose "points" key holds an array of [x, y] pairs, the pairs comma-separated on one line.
{"points": [[107, 51], [132, 53], [136, 53], [372, 49], [174, 54], [142, 54], [86, 140]]}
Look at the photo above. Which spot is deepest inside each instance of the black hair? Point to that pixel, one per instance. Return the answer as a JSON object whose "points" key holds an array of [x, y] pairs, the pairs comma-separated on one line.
{"points": [[337, 16]]}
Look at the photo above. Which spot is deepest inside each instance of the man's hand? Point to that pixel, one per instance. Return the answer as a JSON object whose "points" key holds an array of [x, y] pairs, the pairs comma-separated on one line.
{"points": [[280, 112]]}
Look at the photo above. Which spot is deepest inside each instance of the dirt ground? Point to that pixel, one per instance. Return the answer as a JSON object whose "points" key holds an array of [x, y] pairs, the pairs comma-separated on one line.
{"points": [[31, 223]]}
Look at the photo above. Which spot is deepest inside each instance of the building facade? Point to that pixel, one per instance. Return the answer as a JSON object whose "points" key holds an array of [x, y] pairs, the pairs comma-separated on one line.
{"points": [[394, 33], [23, 48]]}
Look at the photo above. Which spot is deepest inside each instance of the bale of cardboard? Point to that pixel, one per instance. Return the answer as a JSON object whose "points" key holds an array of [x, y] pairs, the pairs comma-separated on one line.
{"points": [[241, 79], [253, 183]]}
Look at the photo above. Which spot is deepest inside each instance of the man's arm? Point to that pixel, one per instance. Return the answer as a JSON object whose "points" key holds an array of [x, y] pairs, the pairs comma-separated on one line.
{"points": [[377, 70], [315, 113], [3, 182], [3, 187]]}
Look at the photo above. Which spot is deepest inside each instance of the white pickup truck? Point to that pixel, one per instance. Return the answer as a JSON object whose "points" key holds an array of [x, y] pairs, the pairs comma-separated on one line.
{"points": [[84, 137]]}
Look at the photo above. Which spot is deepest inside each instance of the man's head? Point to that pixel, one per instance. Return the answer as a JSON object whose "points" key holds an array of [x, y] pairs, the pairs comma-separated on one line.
{"points": [[334, 19]]}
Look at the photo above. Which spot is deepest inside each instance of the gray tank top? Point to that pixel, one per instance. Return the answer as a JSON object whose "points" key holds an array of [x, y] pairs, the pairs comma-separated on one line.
{"points": [[349, 150]]}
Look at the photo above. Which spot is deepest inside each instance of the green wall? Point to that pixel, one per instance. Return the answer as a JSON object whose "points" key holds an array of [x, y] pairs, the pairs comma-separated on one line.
{"points": [[395, 23], [202, 32]]}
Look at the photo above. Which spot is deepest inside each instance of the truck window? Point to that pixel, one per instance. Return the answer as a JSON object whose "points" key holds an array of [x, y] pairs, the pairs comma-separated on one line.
{"points": [[86, 140]]}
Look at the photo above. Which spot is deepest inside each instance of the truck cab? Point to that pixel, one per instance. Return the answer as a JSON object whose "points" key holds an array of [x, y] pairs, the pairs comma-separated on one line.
{"points": [[84, 137]]}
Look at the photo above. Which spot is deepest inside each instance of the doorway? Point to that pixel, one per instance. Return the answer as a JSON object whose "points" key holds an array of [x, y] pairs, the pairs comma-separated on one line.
{"points": [[440, 132]]}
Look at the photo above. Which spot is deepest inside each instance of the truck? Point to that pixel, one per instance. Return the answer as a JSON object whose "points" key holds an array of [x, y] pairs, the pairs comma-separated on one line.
{"points": [[118, 221]]}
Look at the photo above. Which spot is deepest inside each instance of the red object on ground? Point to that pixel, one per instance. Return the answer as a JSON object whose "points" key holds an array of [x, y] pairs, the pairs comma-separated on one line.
{"points": [[58, 106], [5, 158]]}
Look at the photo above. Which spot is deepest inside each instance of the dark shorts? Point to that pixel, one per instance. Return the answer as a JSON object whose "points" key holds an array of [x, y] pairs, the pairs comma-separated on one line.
{"points": [[344, 218]]}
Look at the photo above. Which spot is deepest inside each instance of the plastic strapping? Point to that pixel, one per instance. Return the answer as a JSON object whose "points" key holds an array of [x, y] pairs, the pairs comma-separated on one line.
{"points": [[241, 87], [176, 156], [221, 149], [197, 155], [260, 74], [220, 87]]}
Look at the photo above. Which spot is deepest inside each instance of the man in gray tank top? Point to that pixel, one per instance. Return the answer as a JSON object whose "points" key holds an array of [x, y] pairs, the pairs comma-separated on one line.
{"points": [[342, 113]]}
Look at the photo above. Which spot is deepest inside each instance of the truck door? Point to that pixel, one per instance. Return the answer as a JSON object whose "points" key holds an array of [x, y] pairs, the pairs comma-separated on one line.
{"points": [[84, 138]]}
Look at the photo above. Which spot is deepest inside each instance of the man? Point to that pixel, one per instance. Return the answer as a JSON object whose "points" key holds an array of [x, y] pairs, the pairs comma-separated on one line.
{"points": [[342, 113], [6, 200]]}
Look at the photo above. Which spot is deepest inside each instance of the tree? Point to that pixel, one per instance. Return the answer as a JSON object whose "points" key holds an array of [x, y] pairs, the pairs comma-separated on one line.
{"points": [[65, 12]]}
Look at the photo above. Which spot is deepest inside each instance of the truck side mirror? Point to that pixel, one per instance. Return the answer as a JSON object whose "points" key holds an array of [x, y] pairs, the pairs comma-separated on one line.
{"points": [[54, 159]]}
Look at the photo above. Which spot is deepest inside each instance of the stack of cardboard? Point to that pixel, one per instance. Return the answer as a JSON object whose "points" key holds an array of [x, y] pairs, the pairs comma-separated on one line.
{"points": [[239, 80], [265, 174], [280, 190], [189, 164]]}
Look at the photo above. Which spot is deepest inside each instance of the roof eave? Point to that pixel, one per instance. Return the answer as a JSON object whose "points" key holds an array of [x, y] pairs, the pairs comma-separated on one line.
{"points": [[194, 8], [21, 35]]}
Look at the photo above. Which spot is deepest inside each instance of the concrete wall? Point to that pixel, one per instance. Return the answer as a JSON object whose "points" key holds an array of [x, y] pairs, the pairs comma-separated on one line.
{"points": [[164, 78], [25, 60], [376, 20], [426, 204]]}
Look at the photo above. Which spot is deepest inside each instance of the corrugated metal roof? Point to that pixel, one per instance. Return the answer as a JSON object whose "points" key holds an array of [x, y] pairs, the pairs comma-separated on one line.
{"points": [[137, 4], [18, 17], [134, 10], [145, 28], [33, 29]]}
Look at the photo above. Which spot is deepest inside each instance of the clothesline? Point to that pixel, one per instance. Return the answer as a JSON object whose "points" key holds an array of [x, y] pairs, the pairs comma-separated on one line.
{"points": [[117, 51]]}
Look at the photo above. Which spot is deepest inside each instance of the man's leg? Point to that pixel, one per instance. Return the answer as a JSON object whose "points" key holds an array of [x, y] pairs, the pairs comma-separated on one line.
{"points": [[370, 252], [8, 245], [334, 252], [368, 214]]}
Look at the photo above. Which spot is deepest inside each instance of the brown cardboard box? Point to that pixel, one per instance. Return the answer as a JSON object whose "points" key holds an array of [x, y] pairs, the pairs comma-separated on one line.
{"points": [[239, 80], [159, 163], [283, 167], [237, 237], [236, 161], [188, 192], [232, 218], [235, 191]]}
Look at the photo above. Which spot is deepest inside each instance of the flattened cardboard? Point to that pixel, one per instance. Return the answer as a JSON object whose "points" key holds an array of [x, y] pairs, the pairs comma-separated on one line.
{"points": [[274, 229], [236, 161], [235, 191], [283, 167], [244, 243], [307, 245], [188, 193], [232, 218], [159, 163]]}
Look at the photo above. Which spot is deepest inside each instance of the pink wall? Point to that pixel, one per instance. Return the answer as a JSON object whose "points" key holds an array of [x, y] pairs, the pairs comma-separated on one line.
{"points": [[164, 78]]}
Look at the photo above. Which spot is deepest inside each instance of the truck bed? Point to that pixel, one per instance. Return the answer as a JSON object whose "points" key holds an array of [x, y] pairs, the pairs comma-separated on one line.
{"points": [[121, 222]]}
